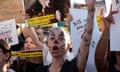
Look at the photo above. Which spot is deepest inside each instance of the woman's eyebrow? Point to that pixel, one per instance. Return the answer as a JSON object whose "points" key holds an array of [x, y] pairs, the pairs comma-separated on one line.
{"points": [[61, 34], [52, 34]]}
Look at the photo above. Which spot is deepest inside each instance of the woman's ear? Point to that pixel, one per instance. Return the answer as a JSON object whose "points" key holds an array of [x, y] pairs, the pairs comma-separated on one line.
{"points": [[69, 45]]}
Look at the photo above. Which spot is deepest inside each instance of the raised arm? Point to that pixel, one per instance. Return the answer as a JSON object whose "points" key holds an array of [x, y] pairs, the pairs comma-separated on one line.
{"points": [[31, 32], [86, 38], [102, 53]]}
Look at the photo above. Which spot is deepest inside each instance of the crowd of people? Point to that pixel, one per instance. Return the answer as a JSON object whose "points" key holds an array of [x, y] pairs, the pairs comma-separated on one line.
{"points": [[56, 43]]}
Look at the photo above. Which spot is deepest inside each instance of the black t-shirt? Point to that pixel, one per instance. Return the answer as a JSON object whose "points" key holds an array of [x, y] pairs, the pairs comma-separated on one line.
{"points": [[32, 67], [68, 66]]}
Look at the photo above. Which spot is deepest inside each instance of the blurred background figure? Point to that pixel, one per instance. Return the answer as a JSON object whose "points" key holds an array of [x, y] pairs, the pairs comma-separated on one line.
{"points": [[5, 54]]}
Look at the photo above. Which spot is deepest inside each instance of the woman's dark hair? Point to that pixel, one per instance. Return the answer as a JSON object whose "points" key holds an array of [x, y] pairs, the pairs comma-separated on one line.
{"points": [[4, 46], [61, 5], [34, 9]]}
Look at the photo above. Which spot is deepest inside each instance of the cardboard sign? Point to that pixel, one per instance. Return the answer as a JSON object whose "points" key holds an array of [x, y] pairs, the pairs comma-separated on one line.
{"points": [[8, 31], [10, 9]]}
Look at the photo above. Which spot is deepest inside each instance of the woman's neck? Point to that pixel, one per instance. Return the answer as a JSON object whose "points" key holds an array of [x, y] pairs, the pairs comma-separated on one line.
{"points": [[57, 64], [58, 61]]}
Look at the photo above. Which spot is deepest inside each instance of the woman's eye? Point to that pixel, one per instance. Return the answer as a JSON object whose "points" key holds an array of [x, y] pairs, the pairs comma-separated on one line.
{"points": [[26, 41], [52, 38], [31, 42], [61, 38]]}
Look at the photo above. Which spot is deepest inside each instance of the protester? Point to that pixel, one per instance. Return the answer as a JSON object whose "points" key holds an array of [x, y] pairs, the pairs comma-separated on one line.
{"points": [[29, 45], [36, 42], [58, 46], [5, 54], [32, 62], [103, 57], [114, 58]]}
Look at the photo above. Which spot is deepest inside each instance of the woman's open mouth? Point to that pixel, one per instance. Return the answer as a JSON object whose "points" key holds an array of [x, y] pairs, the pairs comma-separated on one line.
{"points": [[55, 48]]}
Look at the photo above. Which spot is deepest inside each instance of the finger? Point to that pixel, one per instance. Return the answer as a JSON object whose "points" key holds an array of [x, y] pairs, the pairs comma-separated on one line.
{"points": [[101, 12], [113, 22], [115, 12], [69, 18], [106, 23]]}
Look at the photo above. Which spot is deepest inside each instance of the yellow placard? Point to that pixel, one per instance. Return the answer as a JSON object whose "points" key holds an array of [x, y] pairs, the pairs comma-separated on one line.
{"points": [[41, 21], [27, 54], [99, 21]]}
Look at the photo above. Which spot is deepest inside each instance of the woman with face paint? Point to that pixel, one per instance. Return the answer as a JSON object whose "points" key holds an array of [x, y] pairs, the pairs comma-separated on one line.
{"points": [[58, 46]]}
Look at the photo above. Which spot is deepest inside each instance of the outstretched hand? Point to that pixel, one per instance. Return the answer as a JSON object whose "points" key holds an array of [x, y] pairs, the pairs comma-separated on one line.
{"points": [[109, 18], [106, 21], [90, 4]]}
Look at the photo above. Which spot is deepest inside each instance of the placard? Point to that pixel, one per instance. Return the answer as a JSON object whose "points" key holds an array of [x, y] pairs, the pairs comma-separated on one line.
{"points": [[77, 28], [46, 13], [10, 9], [115, 28], [8, 31]]}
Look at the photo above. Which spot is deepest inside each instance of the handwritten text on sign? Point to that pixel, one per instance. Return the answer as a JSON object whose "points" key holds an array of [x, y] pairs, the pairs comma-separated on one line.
{"points": [[8, 31], [10, 9]]}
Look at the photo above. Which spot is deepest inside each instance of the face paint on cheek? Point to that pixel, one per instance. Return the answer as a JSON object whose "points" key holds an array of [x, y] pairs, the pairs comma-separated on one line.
{"points": [[52, 34], [61, 34]]}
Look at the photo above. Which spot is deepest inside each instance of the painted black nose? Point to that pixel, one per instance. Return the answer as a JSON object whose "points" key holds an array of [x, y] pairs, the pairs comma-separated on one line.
{"points": [[56, 41]]}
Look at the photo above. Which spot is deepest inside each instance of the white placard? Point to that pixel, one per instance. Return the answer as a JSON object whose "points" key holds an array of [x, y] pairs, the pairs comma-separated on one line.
{"points": [[73, 2], [91, 67], [115, 28], [107, 7], [115, 34], [8, 31], [80, 1], [76, 29], [115, 5]]}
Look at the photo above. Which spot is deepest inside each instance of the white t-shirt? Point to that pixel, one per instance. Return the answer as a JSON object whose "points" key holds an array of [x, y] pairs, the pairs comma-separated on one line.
{"points": [[47, 58]]}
